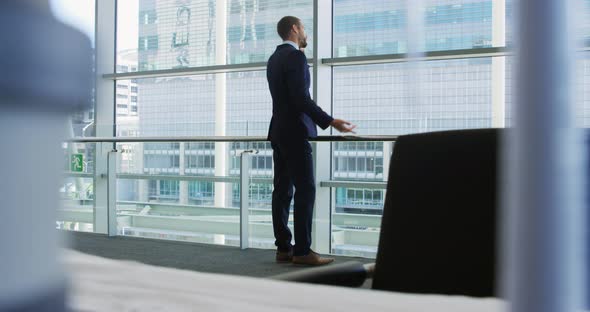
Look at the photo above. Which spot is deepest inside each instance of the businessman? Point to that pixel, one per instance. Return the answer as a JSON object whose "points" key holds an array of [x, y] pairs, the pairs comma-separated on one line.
{"points": [[294, 119]]}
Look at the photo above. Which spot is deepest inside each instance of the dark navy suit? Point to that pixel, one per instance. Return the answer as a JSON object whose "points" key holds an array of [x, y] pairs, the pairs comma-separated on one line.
{"points": [[294, 119]]}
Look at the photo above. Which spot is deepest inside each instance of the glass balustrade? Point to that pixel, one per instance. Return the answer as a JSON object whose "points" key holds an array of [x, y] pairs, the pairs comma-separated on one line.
{"points": [[192, 191]]}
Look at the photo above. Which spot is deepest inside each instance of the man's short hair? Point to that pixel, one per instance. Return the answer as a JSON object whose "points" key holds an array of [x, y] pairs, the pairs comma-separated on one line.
{"points": [[285, 24]]}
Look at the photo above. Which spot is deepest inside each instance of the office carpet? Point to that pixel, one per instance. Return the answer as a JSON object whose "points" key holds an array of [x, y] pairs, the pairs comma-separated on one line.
{"points": [[186, 256]]}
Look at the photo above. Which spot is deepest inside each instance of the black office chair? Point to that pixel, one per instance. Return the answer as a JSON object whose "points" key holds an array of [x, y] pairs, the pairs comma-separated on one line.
{"points": [[438, 228]]}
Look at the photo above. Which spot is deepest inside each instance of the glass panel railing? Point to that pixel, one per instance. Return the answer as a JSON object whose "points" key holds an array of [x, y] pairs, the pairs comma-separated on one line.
{"points": [[163, 216], [260, 188], [179, 191], [169, 190], [76, 212], [193, 191], [359, 177]]}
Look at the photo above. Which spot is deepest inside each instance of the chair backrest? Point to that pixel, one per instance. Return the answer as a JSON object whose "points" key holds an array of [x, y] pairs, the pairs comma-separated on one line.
{"points": [[438, 229]]}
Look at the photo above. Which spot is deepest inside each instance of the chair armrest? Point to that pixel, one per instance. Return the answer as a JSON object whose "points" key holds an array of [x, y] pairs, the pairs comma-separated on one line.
{"points": [[349, 274]]}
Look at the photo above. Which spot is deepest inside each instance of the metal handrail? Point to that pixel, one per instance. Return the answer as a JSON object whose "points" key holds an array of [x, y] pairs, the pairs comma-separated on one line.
{"points": [[326, 138], [222, 179]]}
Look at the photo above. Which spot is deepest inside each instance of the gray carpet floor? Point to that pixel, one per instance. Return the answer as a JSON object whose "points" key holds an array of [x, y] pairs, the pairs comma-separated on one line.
{"points": [[186, 256]]}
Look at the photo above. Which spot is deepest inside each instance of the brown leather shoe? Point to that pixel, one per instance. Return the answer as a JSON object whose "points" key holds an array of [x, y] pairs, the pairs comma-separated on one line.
{"points": [[284, 256], [312, 258]]}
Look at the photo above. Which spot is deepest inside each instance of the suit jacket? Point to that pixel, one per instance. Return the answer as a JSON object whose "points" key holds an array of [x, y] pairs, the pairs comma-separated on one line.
{"points": [[294, 113]]}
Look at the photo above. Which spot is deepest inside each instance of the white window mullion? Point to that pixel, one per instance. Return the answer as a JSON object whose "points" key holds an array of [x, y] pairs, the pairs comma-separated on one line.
{"points": [[322, 94], [105, 107]]}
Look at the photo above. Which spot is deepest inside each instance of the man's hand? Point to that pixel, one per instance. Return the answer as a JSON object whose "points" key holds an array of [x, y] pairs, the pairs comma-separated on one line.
{"points": [[342, 125]]}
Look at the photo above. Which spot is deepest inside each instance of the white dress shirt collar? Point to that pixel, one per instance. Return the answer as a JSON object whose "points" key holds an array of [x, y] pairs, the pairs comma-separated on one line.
{"points": [[292, 43]]}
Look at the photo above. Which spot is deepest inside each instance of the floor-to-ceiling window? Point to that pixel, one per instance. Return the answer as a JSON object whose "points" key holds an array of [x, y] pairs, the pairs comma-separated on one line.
{"points": [[197, 68]]}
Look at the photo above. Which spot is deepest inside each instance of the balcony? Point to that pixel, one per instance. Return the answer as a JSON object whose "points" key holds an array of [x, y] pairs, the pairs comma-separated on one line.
{"points": [[205, 189]]}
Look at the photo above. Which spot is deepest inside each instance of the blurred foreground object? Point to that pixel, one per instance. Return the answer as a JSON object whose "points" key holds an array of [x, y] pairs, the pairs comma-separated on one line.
{"points": [[543, 215], [46, 74]]}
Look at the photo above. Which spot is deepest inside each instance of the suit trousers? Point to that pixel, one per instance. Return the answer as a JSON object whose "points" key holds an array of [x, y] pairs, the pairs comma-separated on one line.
{"points": [[293, 168]]}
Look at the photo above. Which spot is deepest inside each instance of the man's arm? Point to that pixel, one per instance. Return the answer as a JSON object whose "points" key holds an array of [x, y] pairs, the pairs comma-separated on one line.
{"points": [[298, 92]]}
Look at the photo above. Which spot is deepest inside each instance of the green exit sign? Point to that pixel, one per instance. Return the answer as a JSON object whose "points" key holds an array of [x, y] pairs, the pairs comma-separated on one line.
{"points": [[77, 163]]}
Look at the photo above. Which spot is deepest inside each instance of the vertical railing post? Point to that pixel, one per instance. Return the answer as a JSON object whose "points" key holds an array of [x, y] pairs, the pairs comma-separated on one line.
{"points": [[112, 192], [101, 187], [104, 120], [322, 94], [245, 165]]}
